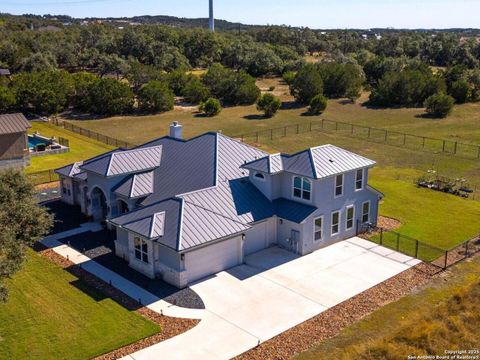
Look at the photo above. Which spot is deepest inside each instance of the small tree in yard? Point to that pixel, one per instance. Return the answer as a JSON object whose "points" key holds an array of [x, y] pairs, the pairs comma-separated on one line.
{"points": [[211, 107], [155, 96], [318, 105], [460, 91], [22, 222], [439, 105], [269, 104]]}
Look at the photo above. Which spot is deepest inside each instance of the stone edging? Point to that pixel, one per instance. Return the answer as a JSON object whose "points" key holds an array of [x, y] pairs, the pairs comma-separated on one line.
{"points": [[170, 326]]}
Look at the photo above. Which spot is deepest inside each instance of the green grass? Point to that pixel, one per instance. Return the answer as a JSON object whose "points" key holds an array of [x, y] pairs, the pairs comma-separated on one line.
{"points": [[81, 148], [443, 316], [53, 315]]}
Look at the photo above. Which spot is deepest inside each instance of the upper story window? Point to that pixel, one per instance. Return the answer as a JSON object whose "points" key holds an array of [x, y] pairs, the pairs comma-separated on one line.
{"points": [[302, 188], [359, 180], [141, 250], [339, 185], [259, 176]]}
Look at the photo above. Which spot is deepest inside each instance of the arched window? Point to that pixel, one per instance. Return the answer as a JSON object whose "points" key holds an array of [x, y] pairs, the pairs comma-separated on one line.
{"points": [[259, 176], [302, 188]]}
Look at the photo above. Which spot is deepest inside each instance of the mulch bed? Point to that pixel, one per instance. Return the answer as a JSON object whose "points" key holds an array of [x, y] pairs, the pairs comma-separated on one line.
{"points": [[388, 223], [329, 323], [170, 326]]}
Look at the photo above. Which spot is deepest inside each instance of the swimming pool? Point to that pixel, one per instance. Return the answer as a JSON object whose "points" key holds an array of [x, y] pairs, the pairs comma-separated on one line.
{"points": [[34, 141]]}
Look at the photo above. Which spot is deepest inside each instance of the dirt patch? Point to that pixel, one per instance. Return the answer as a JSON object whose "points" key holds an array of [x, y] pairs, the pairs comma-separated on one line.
{"points": [[387, 223], [329, 323], [170, 327], [48, 186]]}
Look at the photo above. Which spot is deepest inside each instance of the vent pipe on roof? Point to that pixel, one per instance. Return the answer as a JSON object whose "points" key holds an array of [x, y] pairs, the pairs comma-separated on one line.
{"points": [[176, 130]]}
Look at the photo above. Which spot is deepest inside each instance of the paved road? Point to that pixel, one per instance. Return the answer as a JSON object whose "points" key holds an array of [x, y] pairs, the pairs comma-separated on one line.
{"points": [[274, 291]]}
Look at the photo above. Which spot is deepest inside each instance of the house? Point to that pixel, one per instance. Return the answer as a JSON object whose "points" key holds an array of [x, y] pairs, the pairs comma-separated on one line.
{"points": [[186, 209], [4, 72], [13, 140]]}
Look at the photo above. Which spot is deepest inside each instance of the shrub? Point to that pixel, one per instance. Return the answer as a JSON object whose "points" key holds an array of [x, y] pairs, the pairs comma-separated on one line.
{"points": [[307, 84], [110, 97], [269, 104], [460, 91], [439, 105], [155, 96], [289, 77], [211, 107], [318, 105]]}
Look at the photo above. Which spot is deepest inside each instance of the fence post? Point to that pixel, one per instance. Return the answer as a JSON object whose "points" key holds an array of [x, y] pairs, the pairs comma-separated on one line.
{"points": [[369, 131], [336, 125], [351, 129], [466, 248], [298, 128], [256, 137], [423, 143], [381, 236], [446, 260], [386, 136], [323, 121], [416, 249], [455, 147], [404, 138], [310, 126], [271, 134], [443, 148], [478, 153], [398, 241]]}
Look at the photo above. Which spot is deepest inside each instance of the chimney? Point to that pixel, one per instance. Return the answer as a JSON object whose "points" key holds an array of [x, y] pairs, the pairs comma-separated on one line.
{"points": [[176, 130]]}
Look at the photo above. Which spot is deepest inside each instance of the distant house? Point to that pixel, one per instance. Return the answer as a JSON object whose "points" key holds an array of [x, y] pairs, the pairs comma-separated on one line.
{"points": [[187, 209], [4, 72], [13, 140]]}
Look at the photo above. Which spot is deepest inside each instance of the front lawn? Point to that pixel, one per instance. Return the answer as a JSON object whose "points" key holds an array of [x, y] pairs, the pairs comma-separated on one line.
{"points": [[51, 314], [81, 148]]}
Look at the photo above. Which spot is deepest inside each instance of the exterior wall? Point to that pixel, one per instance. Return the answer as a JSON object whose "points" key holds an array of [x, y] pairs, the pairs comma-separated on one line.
{"points": [[145, 268], [66, 189], [121, 244], [13, 146], [284, 235], [14, 163]]}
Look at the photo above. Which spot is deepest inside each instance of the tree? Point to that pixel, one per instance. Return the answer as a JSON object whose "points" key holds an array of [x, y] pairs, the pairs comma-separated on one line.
{"points": [[83, 82], [269, 104], [43, 92], [22, 222], [318, 105], [439, 105], [7, 98], [177, 81], [289, 77], [308, 83], [211, 107], [110, 97], [39, 62], [155, 96], [460, 90], [340, 79], [195, 92]]}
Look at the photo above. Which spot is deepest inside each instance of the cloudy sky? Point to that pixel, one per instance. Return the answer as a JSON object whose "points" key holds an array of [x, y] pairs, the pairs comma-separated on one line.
{"points": [[311, 13]]}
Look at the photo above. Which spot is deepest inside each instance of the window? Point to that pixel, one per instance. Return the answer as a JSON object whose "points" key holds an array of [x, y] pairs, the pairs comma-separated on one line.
{"points": [[302, 188], [359, 180], [141, 250], [339, 185], [259, 176], [318, 229], [335, 222], [366, 212], [350, 217]]}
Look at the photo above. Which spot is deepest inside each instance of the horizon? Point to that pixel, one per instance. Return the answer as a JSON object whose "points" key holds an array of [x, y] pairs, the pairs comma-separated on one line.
{"points": [[350, 14]]}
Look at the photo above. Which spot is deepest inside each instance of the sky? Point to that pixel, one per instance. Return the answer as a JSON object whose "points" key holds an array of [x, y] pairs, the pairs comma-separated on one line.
{"points": [[319, 14]]}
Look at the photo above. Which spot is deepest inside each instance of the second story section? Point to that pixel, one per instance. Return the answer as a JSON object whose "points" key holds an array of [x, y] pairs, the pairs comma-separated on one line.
{"points": [[313, 176]]}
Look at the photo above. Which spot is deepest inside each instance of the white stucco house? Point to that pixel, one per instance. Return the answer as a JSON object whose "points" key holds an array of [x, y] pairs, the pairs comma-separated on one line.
{"points": [[186, 209]]}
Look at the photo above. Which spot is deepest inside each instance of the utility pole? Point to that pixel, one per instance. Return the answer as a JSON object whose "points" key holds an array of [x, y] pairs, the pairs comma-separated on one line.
{"points": [[211, 17]]}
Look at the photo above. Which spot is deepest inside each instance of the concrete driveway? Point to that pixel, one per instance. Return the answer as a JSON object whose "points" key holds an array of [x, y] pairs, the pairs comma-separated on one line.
{"points": [[274, 291]]}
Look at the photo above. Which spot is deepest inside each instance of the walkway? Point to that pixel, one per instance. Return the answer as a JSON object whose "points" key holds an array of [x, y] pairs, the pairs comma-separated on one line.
{"points": [[274, 291], [127, 287]]}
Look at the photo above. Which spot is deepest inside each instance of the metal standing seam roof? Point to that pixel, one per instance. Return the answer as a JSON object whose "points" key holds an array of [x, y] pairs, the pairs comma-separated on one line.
{"points": [[136, 186], [72, 170], [316, 163], [150, 227], [13, 124], [126, 162]]}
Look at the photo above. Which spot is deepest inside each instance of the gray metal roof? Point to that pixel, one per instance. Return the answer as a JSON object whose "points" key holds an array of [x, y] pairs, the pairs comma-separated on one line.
{"points": [[126, 162], [292, 211], [150, 227], [72, 170], [315, 163], [136, 186], [13, 123]]}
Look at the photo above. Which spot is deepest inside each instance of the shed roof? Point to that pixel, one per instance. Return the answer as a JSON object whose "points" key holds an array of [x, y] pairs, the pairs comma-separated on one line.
{"points": [[13, 123]]}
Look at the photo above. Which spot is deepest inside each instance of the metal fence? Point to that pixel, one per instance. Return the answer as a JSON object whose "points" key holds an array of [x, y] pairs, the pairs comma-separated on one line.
{"points": [[437, 256], [43, 177], [91, 134], [64, 142], [377, 135]]}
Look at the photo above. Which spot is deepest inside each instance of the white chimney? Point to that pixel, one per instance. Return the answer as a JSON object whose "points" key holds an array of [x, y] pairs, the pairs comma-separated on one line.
{"points": [[176, 130]]}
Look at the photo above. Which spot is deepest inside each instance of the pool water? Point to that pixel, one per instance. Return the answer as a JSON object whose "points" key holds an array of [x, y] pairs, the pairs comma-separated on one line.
{"points": [[34, 141]]}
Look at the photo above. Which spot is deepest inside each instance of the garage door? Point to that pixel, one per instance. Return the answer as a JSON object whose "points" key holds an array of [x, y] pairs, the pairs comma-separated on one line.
{"points": [[256, 238], [212, 259]]}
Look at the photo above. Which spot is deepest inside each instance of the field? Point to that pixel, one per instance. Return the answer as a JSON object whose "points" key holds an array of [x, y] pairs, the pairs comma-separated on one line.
{"points": [[442, 317], [53, 315], [81, 148]]}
